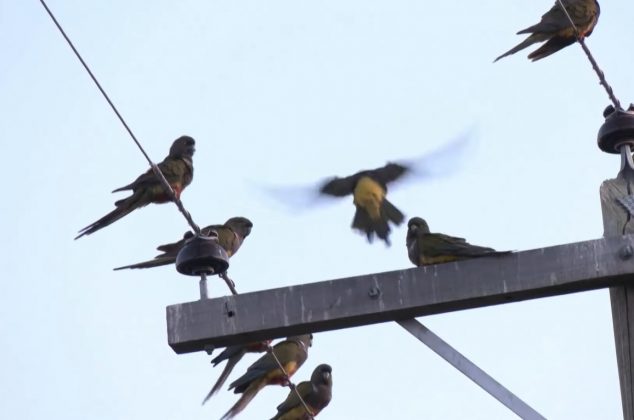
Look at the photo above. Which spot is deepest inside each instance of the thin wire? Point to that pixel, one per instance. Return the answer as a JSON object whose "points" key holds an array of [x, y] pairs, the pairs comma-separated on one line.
{"points": [[155, 168], [290, 384], [230, 283], [595, 66]]}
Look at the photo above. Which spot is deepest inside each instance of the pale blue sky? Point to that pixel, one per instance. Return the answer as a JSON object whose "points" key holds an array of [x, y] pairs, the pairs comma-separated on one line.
{"points": [[288, 92]]}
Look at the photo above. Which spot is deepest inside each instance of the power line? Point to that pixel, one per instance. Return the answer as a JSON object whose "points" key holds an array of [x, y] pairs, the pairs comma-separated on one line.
{"points": [[172, 195], [291, 385], [595, 65], [155, 169]]}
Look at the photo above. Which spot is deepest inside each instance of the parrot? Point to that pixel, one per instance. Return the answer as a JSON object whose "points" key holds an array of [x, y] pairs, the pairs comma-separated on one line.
{"points": [[369, 187], [292, 353], [374, 212], [232, 355], [555, 28], [316, 393], [230, 237], [178, 170], [425, 248]]}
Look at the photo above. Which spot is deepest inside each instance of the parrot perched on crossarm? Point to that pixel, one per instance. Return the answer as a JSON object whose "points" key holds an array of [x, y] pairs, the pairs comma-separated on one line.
{"points": [[178, 170], [426, 248], [230, 237]]}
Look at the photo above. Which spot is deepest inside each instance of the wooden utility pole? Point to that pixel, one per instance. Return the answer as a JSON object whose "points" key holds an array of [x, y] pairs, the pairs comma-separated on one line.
{"points": [[617, 205], [617, 221]]}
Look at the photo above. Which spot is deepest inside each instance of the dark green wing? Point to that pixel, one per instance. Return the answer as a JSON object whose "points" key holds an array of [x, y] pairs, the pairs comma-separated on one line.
{"points": [[304, 389], [388, 173], [438, 244], [339, 187]]}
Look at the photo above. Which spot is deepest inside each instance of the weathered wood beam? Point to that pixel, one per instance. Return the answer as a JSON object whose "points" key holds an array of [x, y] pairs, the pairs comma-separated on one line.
{"points": [[617, 221], [399, 295]]}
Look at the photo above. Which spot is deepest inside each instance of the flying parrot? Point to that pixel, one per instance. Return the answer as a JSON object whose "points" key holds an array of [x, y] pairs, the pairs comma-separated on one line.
{"points": [[178, 170], [291, 353], [232, 355], [555, 28], [316, 393], [230, 237], [374, 212], [425, 248], [369, 188]]}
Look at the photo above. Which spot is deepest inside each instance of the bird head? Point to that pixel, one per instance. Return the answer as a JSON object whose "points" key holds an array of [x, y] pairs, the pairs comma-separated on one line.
{"points": [[184, 146], [240, 225], [417, 224], [322, 374]]}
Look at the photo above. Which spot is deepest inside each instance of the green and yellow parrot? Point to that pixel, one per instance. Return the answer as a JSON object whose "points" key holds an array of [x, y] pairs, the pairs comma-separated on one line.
{"points": [[555, 28], [316, 393], [178, 170], [230, 237], [233, 354], [373, 212], [292, 353], [426, 248]]}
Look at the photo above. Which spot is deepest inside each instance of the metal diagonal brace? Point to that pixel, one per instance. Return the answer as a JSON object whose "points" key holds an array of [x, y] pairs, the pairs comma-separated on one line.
{"points": [[468, 368]]}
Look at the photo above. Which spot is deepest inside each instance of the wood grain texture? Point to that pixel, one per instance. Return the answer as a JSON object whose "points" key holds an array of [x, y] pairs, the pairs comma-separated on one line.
{"points": [[616, 222], [398, 295]]}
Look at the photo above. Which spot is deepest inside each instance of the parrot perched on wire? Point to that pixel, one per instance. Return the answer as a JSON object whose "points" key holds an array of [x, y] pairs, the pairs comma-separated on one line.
{"points": [[178, 170], [316, 393], [233, 354], [230, 237], [426, 248], [291, 353], [555, 28]]}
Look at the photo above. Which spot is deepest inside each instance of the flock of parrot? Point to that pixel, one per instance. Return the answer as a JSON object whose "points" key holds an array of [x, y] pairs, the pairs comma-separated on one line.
{"points": [[373, 216]]}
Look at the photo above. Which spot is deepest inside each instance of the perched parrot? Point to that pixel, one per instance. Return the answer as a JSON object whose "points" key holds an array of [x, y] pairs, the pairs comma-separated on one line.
{"points": [[230, 237], [232, 355], [291, 353], [555, 28], [425, 248], [316, 393], [374, 212], [178, 170]]}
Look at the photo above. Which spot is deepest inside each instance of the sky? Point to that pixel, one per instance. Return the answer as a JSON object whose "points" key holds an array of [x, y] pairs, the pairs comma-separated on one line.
{"points": [[284, 92]]}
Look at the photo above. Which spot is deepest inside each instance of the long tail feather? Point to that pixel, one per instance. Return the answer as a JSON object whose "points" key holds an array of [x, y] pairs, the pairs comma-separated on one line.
{"points": [[231, 363], [528, 41], [156, 262], [389, 213], [245, 399], [108, 219], [229, 352], [124, 207], [552, 46]]}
